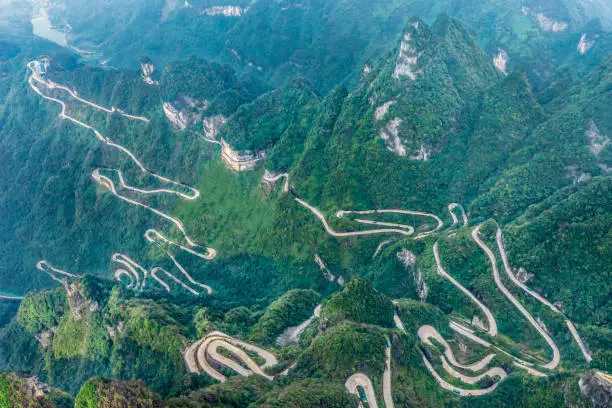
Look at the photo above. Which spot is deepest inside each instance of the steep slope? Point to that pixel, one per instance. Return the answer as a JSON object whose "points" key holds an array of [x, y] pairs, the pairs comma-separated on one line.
{"points": [[570, 147], [404, 121]]}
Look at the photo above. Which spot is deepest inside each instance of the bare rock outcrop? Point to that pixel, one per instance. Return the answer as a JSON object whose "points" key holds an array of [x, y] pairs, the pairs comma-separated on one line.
{"points": [[545, 23], [501, 61], [147, 70], [577, 177], [597, 143], [523, 276], [80, 306], [476, 322], [45, 337], [390, 134], [423, 154], [585, 44], [408, 260], [35, 387], [241, 160], [114, 331], [174, 116], [382, 110], [226, 11], [184, 111], [406, 257], [597, 387], [212, 125], [407, 59]]}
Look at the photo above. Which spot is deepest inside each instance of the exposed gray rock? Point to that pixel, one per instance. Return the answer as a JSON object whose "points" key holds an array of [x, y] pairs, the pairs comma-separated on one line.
{"points": [[45, 337], [147, 70], [241, 160], [501, 61], [36, 388], [523, 276], [382, 110], [406, 257], [545, 23], [390, 134], [212, 125], [597, 141], [597, 387], [585, 44], [226, 11], [407, 59]]}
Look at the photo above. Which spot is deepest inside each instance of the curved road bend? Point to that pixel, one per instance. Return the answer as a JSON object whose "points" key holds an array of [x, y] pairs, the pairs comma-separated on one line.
{"points": [[439, 222], [45, 266], [464, 331], [428, 332], [208, 348], [459, 391], [131, 267], [333, 233], [272, 178], [556, 356], [108, 184], [502, 250], [464, 217], [152, 236], [52, 85], [174, 278], [492, 372], [122, 272], [490, 318], [363, 381], [403, 229]]}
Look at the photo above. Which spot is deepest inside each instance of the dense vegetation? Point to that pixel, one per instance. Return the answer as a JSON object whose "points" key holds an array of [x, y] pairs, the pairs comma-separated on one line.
{"points": [[316, 85]]}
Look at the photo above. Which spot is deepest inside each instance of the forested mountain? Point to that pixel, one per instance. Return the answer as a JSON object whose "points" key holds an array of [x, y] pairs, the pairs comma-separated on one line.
{"points": [[305, 203]]}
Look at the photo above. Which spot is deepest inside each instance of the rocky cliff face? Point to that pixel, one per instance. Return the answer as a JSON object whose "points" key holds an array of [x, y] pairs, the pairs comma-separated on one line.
{"points": [[501, 61], [597, 387], [212, 125], [174, 116], [544, 22], [241, 160], [585, 43], [226, 11], [408, 56], [148, 69], [186, 112], [80, 305], [432, 73]]}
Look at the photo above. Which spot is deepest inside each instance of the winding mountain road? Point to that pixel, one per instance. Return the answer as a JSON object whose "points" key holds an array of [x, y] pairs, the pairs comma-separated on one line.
{"points": [[360, 380], [197, 356], [459, 391], [427, 332], [502, 250], [496, 276], [107, 182], [130, 267], [490, 318], [464, 217], [273, 178], [53, 272], [153, 236]]}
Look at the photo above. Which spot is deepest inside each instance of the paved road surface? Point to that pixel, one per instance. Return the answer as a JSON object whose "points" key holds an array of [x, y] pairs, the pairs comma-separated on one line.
{"points": [[556, 356], [490, 318]]}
